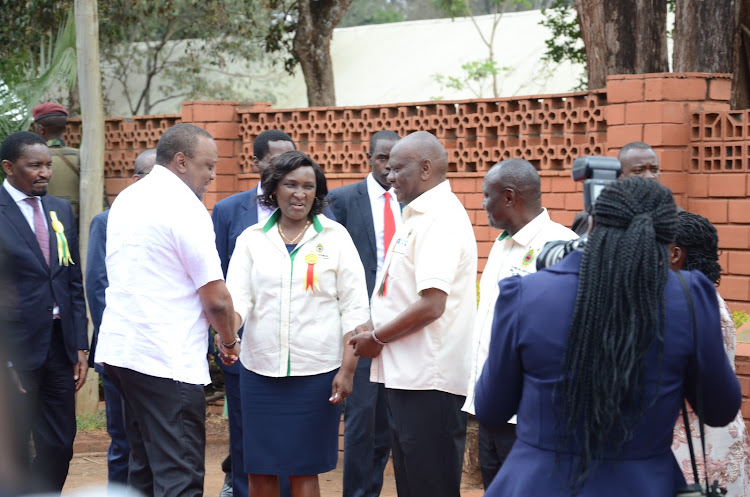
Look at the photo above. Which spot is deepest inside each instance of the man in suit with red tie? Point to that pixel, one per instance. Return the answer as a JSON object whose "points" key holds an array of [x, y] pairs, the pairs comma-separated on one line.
{"points": [[49, 345], [370, 212]]}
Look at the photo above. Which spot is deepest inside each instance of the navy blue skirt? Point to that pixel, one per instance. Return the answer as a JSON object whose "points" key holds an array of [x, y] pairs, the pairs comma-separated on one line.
{"points": [[289, 427]]}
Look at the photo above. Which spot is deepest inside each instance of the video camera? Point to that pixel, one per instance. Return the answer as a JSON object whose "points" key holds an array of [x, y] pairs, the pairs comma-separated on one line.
{"points": [[596, 172]]}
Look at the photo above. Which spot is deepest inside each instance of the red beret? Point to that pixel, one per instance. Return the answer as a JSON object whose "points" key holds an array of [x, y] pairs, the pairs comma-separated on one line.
{"points": [[48, 109]]}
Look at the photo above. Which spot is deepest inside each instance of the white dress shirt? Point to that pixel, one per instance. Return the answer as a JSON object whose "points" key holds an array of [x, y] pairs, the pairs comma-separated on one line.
{"points": [[160, 251], [263, 212], [26, 209], [509, 256], [377, 204], [435, 247], [292, 328]]}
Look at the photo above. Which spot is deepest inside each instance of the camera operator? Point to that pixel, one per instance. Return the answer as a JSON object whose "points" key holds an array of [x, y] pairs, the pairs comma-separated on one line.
{"points": [[636, 159], [596, 353], [513, 202]]}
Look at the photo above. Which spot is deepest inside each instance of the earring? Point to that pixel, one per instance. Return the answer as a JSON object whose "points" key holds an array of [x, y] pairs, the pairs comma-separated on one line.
{"points": [[272, 197]]}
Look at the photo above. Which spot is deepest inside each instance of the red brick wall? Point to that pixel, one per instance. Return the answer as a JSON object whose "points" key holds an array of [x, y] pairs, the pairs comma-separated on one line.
{"points": [[684, 116]]}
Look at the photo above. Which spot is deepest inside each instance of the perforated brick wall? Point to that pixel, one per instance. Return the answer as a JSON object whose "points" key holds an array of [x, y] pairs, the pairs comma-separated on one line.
{"points": [[125, 139], [703, 148]]}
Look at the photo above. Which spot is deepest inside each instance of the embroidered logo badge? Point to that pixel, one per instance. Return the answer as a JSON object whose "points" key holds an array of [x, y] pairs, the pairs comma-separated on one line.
{"points": [[319, 248], [528, 258]]}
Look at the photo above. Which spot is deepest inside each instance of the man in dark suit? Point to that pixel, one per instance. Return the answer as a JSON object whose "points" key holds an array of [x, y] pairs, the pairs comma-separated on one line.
{"points": [[39, 235], [364, 208], [96, 284]]}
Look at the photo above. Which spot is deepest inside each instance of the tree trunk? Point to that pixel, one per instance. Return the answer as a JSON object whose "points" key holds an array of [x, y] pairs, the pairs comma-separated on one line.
{"points": [[741, 73], [704, 35], [312, 47], [623, 37], [91, 153]]}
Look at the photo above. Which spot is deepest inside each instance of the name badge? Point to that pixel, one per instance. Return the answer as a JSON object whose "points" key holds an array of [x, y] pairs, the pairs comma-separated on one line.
{"points": [[400, 246]]}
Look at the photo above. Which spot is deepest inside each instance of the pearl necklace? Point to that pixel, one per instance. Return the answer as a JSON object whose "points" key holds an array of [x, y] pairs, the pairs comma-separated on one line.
{"points": [[294, 240]]}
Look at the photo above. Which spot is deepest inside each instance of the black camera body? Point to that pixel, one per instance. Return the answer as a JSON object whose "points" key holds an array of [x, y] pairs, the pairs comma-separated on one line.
{"points": [[596, 172]]}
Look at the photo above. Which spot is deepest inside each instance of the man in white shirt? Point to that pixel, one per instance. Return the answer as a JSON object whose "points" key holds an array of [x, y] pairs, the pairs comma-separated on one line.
{"points": [[423, 310], [513, 202], [165, 287], [370, 212]]}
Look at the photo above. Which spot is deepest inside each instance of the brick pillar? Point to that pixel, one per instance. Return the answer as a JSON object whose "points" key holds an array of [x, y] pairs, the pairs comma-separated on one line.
{"points": [[656, 109], [222, 121]]}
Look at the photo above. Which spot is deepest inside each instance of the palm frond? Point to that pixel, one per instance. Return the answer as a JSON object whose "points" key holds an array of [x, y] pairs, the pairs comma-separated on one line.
{"points": [[54, 65]]}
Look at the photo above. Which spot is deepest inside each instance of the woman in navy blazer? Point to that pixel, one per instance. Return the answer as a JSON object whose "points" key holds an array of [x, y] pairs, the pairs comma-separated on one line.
{"points": [[595, 355]]}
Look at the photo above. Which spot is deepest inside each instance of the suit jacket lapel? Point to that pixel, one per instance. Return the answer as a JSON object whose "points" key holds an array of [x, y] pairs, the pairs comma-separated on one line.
{"points": [[17, 219], [365, 211]]}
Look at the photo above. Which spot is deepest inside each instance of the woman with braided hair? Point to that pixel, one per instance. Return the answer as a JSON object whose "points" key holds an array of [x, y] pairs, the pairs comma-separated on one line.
{"points": [[595, 354], [696, 247]]}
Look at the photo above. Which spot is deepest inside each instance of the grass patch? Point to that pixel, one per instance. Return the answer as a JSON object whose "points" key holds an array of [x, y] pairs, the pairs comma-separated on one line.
{"points": [[96, 421]]}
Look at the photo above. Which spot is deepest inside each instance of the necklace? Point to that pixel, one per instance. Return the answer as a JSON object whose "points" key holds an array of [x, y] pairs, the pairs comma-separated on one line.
{"points": [[293, 240]]}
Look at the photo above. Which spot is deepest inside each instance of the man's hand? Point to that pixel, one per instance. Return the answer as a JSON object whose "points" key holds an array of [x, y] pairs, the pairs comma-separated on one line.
{"points": [[364, 344], [228, 356], [80, 369]]}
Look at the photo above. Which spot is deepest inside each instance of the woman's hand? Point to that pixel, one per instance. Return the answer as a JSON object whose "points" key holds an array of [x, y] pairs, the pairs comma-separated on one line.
{"points": [[341, 386], [228, 355]]}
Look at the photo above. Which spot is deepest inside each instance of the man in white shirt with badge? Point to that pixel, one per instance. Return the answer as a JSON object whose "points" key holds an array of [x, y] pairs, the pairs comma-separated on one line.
{"points": [[513, 202], [370, 213], [165, 287], [423, 311]]}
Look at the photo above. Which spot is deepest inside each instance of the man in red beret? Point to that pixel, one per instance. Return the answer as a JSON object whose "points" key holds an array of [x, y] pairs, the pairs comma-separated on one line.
{"points": [[50, 120]]}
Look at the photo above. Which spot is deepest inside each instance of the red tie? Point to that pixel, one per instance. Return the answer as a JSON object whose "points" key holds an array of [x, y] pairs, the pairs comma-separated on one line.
{"points": [[40, 230], [389, 223]]}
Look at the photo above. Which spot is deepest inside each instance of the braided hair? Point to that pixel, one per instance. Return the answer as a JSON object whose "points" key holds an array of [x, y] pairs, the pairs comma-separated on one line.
{"points": [[616, 321], [698, 237]]}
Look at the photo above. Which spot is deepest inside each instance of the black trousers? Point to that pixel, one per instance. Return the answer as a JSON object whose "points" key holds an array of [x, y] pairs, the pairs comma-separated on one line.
{"points": [[428, 436], [494, 447], [50, 401], [165, 423]]}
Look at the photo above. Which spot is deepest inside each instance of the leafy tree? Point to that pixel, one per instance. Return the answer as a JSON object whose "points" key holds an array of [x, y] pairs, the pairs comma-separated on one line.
{"points": [[488, 66], [474, 77], [24, 26], [181, 43], [363, 12], [51, 62], [565, 44], [301, 31]]}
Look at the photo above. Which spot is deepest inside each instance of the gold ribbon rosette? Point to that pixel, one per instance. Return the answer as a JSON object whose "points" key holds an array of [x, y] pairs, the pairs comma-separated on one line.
{"points": [[63, 250], [311, 278]]}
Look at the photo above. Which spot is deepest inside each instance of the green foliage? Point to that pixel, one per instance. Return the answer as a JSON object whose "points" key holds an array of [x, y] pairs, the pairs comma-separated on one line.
{"points": [[464, 8], [363, 12], [95, 421], [181, 43], [24, 26], [31, 78], [565, 44], [476, 74], [740, 318]]}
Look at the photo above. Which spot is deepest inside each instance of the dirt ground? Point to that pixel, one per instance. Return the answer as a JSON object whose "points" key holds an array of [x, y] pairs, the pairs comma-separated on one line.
{"points": [[89, 465]]}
